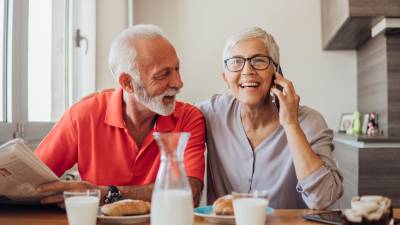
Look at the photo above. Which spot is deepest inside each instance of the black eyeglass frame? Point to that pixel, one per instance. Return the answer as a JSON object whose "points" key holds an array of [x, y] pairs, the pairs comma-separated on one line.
{"points": [[249, 60]]}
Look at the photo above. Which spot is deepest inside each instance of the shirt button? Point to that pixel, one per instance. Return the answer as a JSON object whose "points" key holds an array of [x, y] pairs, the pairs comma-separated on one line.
{"points": [[299, 188]]}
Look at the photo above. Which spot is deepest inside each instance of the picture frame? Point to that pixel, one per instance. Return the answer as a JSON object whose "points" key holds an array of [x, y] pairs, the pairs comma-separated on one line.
{"points": [[364, 127], [346, 122]]}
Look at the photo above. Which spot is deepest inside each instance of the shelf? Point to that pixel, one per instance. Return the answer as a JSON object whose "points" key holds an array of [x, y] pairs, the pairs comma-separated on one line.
{"points": [[346, 24], [366, 139]]}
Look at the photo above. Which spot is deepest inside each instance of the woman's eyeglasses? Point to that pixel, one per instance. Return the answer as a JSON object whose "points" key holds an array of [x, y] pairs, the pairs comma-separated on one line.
{"points": [[258, 62]]}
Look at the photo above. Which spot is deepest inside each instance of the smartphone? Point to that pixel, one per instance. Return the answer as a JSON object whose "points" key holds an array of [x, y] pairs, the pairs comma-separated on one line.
{"points": [[331, 217], [275, 99]]}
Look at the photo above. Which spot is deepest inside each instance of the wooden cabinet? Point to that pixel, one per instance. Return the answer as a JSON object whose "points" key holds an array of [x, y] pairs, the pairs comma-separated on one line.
{"points": [[378, 81], [346, 24], [369, 167]]}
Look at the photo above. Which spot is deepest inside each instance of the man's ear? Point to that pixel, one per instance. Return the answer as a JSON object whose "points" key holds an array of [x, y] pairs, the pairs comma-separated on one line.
{"points": [[125, 81]]}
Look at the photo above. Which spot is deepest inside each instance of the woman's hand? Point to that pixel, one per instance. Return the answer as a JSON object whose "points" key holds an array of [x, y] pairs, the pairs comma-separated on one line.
{"points": [[288, 100]]}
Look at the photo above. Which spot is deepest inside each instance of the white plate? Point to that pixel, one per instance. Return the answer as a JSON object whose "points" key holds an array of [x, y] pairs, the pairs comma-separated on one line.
{"points": [[208, 214], [124, 219]]}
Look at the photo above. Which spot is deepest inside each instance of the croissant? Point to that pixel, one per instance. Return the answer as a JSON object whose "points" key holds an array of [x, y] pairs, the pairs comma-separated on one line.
{"points": [[223, 205], [126, 207]]}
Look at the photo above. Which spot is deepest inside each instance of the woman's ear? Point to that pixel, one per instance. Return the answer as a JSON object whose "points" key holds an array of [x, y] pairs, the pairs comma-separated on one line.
{"points": [[224, 78], [125, 81]]}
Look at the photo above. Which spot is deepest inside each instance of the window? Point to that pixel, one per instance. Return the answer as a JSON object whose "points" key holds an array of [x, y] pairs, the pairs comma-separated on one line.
{"points": [[39, 61], [41, 64], [2, 58], [46, 60]]}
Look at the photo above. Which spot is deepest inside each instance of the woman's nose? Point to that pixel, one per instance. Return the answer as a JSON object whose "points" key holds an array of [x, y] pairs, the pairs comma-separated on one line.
{"points": [[247, 68]]}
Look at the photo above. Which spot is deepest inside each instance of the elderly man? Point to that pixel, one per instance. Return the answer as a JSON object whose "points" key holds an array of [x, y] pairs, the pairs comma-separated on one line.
{"points": [[109, 134]]}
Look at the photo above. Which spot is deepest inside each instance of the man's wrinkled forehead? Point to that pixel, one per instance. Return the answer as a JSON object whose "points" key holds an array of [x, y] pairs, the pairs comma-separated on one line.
{"points": [[153, 50]]}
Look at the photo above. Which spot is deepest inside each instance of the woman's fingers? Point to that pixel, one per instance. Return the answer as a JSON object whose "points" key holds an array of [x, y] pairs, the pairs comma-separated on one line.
{"points": [[278, 93], [288, 88]]}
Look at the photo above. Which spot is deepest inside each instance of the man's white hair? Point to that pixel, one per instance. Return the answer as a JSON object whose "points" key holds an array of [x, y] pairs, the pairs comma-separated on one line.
{"points": [[252, 32], [122, 57]]}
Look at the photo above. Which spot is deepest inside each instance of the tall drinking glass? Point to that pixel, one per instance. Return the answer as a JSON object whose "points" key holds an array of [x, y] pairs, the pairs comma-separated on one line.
{"points": [[82, 206], [250, 208]]}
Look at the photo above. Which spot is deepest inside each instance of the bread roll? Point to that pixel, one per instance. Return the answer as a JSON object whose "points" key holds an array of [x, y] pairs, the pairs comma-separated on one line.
{"points": [[126, 207], [223, 205]]}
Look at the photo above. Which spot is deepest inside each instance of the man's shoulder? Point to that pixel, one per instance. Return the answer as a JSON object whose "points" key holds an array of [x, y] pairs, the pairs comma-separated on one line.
{"points": [[184, 109], [91, 105]]}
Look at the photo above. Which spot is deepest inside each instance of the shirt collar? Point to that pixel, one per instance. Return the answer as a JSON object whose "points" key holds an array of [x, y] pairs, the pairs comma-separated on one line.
{"points": [[114, 114]]}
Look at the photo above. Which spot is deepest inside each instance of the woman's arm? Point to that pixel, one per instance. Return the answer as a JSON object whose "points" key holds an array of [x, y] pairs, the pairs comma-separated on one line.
{"points": [[319, 181], [304, 159]]}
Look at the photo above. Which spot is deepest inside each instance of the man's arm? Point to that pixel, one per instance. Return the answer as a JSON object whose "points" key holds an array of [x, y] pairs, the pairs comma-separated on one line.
{"points": [[142, 192], [197, 187], [59, 149]]}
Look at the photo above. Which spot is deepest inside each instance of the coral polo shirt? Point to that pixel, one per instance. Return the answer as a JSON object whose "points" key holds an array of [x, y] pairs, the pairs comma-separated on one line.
{"points": [[93, 134]]}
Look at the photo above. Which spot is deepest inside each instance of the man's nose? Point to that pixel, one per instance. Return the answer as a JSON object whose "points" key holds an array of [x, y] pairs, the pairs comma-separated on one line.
{"points": [[176, 81]]}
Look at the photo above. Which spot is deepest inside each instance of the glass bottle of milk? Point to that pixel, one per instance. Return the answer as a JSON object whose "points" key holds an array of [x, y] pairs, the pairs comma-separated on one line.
{"points": [[171, 202]]}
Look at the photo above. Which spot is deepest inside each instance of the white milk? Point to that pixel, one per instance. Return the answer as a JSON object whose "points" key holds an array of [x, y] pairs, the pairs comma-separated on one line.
{"points": [[250, 211], [82, 210], [172, 207]]}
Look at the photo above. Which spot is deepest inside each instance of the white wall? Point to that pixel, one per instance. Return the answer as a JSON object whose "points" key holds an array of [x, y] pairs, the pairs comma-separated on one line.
{"points": [[112, 17], [325, 80]]}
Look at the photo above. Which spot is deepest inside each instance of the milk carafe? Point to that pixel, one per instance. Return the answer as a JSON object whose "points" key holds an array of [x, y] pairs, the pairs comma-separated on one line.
{"points": [[172, 202]]}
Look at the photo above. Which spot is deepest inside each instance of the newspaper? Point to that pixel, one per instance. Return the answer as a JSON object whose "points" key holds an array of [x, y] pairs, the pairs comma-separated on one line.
{"points": [[21, 172]]}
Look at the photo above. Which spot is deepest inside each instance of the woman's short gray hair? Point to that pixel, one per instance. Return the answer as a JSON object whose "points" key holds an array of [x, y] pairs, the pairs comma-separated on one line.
{"points": [[252, 32], [122, 57]]}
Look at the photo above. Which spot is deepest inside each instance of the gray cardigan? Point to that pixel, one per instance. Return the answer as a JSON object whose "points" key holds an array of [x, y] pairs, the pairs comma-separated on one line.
{"points": [[232, 165]]}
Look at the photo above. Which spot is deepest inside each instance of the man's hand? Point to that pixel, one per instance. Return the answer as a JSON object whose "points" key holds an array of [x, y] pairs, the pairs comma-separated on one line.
{"points": [[197, 187], [58, 187]]}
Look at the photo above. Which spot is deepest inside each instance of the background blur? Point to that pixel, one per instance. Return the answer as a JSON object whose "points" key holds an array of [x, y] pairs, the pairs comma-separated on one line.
{"points": [[325, 80]]}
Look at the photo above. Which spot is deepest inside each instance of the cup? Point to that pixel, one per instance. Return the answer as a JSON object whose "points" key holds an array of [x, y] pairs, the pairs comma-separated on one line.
{"points": [[250, 208], [82, 206]]}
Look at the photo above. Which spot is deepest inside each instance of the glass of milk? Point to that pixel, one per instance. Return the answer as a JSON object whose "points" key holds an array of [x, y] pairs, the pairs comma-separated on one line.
{"points": [[82, 206], [250, 208]]}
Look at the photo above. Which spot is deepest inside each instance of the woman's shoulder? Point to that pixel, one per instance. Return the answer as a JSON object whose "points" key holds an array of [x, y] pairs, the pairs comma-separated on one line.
{"points": [[218, 103], [314, 126], [308, 112], [311, 118]]}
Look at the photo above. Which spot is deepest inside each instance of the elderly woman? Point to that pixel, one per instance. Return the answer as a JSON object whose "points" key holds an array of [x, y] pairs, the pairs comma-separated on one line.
{"points": [[255, 144]]}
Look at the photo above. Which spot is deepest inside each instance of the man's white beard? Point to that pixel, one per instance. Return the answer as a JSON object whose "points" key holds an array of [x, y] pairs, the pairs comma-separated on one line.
{"points": [[155, 104]]}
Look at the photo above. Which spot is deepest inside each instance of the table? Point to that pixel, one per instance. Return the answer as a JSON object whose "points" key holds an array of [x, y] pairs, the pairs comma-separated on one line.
{"points": [[46, 215]]}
